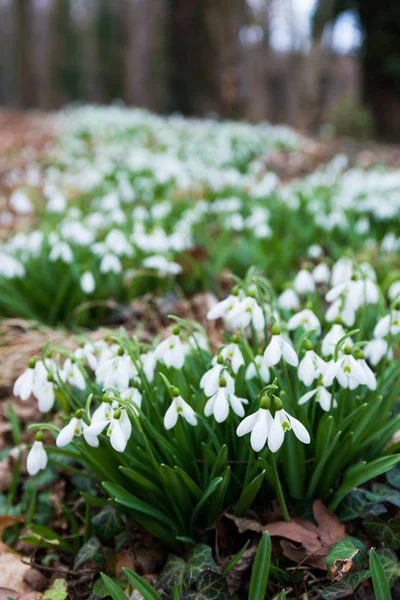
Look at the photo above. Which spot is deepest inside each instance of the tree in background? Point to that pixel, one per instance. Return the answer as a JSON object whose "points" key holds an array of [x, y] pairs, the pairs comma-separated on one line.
{"points": [[380, 55]]}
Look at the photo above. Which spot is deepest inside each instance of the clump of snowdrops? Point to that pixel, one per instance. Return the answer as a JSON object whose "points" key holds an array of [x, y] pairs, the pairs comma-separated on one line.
{"points": [[130, 203], [299, 401]]}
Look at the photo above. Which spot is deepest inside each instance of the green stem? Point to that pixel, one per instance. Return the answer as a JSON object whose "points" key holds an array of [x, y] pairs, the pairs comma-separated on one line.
{"points": [[279, 490]]}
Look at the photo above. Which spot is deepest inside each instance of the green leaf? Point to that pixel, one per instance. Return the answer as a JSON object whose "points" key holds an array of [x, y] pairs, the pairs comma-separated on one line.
{"points": [[209, 491], [142, 586], [47, 538], [210, 586], [87, 552], [200, 559], [384, 493], [393, 477], [260, 571], [355, 505], [383, 531], [379, 580], [99, 589], [249, 494], [390, 564], [57, 591], [346, 550], [108, 522], [346, 587], [359, 474], [113, 588], [233, 562], [172, 573]]}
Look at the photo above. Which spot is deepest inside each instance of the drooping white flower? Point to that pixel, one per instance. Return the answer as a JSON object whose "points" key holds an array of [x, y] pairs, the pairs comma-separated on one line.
{"points": [[34, 381], [134, 396], [232, 354], [37, 457], [277, 348], [258, 368], [23, 387], [247, 311], [162, 265], [335, 334], [117, 432], [289, 300], [210, 379], [376, 349], [71, 373], [388, 324], [321, 395], [346, 370], [87, 282], [61, 251], [304, 282], [370, 378], [283, 422], [21, 203], [116, 371], [223, 309], [259, 424], [311, 366], [394, 291], [171, 351], [75, 428], [179, 407], [305, 319], [321, 273], [342, 271], [110, 264], [149, 363], [218, 405]]}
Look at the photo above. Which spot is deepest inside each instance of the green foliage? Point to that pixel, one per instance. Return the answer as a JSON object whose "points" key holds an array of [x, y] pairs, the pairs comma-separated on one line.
{"points": [[350, 119]]}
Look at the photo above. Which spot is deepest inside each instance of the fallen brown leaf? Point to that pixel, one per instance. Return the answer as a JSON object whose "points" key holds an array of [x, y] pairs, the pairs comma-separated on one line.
{"points": [[315, 541]]}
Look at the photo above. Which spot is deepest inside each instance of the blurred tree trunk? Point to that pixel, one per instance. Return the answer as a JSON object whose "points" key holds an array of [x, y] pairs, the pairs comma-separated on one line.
{"points": [[90, 51], [145, 53], [25, 83], [206, 56], [8, 92]]}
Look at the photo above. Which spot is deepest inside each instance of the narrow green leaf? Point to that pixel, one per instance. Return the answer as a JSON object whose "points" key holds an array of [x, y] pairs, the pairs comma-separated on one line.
{"points": [[233, 562], [142, 586], [113, 588], [379, 580], [260, 572]]}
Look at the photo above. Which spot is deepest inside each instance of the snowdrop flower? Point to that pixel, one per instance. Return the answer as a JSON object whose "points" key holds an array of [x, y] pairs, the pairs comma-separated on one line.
{"points": [[23, 387], [376, 349], [247, 311], [305, 319], [61, 251], [178, 408], [394, 290], [72, 374], [89, 352], [116, 371], [162, 265], [133, 395], [218, 405], [223, 309], [283, 422], [314, 251], [342, 310], [342, 271], [210, 379], [289, 300], [35, 381], [369, 374], [332, 337], [171, 351], [348, 372], [110, 264], [311, 366], [259, 424], [75, 428], [87, 282], [21, 203], [233, 354], [37, 457], [149, 363], [321, 395], [258, 368], [304, 282], [104, 412], [388, 324], [277, 348], [321, 273], [117, 430]]}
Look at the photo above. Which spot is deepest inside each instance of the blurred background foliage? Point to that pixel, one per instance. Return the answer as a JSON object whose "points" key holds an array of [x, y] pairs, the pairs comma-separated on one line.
{"points": [[286, 61]]}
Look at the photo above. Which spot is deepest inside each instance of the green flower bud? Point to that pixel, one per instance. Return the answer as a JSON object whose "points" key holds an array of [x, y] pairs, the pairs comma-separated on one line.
{"points": [[359, 354], [32, 363], [235, 290], [121, 351], [117, 414], [222, 382], [79, 413], [235, 338], [278, 404], [347, 350], [176, 330], [338, 320], [276, 330], [39, 436], [265, 402], [220, 359], [175, 392], [50, 377], [105, 398], [308, 345]]}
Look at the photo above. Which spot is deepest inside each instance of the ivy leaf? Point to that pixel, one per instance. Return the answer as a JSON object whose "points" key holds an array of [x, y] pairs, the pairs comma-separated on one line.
{"points": [[384, 493], [393, 477], [344, 554], [345, 587], [385, 532], [57, 591], [355, 505], [108, 523], [172, 573], [389, 563], [210, 586], [200, 559], [87, 552]]}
